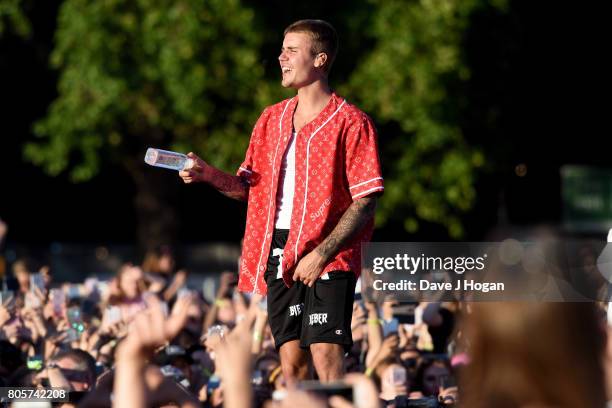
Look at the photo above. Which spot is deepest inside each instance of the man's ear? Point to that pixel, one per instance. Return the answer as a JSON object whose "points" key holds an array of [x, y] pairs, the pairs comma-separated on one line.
{"points": [[320, 60]]}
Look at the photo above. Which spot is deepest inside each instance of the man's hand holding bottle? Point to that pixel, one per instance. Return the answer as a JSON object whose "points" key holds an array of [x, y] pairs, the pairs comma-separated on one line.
{"points": [[195, 174]]}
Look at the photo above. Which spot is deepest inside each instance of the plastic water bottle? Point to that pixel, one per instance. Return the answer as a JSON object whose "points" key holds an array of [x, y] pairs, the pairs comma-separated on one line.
{"points": [[167, 159]]}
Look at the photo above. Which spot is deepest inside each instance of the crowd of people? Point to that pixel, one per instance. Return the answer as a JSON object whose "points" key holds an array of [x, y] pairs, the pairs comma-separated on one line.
{"points": [[145, 339]]}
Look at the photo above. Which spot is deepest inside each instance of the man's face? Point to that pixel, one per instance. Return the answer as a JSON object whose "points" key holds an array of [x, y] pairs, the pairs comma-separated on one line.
{"points": [[298, 66]]}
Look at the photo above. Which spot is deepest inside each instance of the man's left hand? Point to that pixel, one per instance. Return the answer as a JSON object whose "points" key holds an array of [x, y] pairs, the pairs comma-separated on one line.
{"points": [[309, 268]]}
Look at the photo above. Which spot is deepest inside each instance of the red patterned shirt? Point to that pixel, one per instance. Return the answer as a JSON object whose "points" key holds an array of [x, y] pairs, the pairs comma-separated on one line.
{"points": [[336, 162]]}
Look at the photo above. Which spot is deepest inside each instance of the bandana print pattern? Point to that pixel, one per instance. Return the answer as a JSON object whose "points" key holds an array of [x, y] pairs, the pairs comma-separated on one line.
{"points": [[336, 163]]}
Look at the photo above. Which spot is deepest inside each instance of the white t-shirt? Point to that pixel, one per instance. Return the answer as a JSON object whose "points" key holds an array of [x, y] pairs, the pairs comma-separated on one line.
{"points": [[284, 197]]}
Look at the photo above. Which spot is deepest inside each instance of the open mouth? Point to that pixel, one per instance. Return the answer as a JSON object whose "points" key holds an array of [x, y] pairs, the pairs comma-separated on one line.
{"points": [[286, 70]]}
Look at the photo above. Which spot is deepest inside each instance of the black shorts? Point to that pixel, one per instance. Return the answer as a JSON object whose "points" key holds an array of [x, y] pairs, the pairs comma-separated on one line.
{"points": [[321, 314]]}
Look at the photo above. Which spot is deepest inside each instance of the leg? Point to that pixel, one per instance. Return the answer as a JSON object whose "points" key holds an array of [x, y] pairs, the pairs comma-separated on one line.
{"points": [[294, 362], [285, 308], [326, 326], [328, 360]]}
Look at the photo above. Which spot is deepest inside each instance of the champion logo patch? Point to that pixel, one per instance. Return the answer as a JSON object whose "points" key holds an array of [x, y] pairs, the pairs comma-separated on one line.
{"points": [[339, 332]]}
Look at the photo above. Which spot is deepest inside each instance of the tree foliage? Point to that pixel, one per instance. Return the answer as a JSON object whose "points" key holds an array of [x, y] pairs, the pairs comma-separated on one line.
{"points": [[189, 75], [13, 18], [412, 83], [178, 74]]}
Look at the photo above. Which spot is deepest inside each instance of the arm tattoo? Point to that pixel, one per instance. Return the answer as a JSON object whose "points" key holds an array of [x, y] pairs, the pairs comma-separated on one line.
{"points": [[235, 187], [351, 223]]}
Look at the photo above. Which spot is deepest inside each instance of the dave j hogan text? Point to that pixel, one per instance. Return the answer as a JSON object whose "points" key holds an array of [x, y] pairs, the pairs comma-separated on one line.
{"points": [[469, 285]]}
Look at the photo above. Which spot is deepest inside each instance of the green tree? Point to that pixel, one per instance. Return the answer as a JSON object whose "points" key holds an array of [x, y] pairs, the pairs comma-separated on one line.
{"points": [[412, 83], [13, 18], [180, 74]]}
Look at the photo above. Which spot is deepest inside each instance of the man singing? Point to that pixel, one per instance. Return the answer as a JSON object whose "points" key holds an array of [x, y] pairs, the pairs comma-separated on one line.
{"points": [[311, 177]]}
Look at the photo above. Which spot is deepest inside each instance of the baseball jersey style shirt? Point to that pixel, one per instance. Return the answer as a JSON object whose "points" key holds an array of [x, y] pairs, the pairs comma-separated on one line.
{"points": [[336, 163]]}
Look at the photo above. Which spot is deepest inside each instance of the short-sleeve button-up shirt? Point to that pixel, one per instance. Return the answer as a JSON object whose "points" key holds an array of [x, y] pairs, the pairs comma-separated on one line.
{"points": [[336, 162]]}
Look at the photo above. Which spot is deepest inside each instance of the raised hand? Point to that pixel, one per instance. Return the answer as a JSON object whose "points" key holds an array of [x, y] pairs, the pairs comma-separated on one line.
{"points": [[365, 393], [148, 330], [152, 329], [234, 362]]}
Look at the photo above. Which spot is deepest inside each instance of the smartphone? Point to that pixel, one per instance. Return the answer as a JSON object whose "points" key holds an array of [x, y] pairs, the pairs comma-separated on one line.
{"points": [[398, 375], [75, 319], [257, 378], [448, 381], [100, 369], [73, 292], [390, 327], [58, 297], [71, 335], [164, 308], [37, 281], [172, 371], [174, 350], [113, 314], [326, 390], [6, 297], [404, 312], [213, 384], [35, 362]]}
